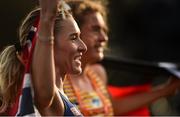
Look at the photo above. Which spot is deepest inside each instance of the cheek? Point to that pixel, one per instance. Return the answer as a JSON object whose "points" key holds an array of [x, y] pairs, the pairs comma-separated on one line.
{"points": [[70, 50], [88, 36], [91, 47], [60, 52], [89, 42]]}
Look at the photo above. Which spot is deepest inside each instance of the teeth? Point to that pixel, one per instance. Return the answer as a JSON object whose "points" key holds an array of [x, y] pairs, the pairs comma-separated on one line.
{"points": [[78, 58], [100, 49]]}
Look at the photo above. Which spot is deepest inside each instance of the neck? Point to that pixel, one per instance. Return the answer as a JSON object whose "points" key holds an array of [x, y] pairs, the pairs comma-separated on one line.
{"points": [[85, 63], [59, 79]]}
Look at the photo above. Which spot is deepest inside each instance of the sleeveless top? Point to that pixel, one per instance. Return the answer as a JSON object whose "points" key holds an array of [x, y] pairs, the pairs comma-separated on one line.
{"points": [[70, 109], [95, 103]]}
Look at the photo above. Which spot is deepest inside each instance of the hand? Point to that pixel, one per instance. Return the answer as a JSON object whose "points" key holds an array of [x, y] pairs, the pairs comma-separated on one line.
{"points": [[172, 85], [49, 8], [48, 13]]}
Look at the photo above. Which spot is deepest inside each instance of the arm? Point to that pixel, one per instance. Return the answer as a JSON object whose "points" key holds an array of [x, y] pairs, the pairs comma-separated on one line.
{"points": [[135, 101], [43, 70], [43, 66]]}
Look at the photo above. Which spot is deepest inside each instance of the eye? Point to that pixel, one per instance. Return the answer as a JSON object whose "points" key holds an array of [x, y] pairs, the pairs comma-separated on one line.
{"points": [[74, 37], [96, 29]]}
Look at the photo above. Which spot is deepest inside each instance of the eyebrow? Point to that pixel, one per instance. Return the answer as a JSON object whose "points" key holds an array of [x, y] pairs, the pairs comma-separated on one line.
{"points": [[99, 27], [72, 34]]}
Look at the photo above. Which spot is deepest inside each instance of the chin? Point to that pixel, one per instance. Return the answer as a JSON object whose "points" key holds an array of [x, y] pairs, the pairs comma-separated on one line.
{"points": [[99, 57], [77, 70]]}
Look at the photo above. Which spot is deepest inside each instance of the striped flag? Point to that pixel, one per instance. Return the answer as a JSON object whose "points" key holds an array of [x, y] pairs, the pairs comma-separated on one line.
{"points": [[24, 105]]}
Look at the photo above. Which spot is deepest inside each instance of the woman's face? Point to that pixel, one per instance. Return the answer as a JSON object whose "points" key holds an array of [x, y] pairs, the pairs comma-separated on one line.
{"points": [[69, 47], [94, 35]]}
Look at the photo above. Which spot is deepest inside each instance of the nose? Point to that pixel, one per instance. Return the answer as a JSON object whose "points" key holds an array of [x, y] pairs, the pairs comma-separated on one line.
{"points": [[82, 47], [103, 37]]}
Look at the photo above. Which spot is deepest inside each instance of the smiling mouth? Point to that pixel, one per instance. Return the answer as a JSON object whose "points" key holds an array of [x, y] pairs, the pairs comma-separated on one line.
{"points": [[99, 48], [78, 60]]}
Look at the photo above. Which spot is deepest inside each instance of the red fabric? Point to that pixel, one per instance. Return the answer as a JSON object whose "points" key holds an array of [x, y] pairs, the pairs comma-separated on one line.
{"points": [[12, 111], [123, 91], [27, 56]]}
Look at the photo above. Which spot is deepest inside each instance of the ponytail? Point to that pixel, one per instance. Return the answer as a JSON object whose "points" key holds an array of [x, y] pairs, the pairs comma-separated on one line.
{"points": [[11, 67], [11, 71]]}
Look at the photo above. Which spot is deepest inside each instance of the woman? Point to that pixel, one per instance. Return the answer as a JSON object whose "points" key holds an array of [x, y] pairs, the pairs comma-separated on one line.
{"points": [[88, 89], [57, 51]]}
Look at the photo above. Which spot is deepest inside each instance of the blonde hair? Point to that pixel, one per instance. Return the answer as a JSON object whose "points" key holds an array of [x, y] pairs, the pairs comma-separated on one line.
{"points": [[10, 76], [11, 69]]}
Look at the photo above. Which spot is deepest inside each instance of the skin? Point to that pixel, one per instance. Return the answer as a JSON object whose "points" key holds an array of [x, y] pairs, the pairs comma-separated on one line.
{"points": [[48, 73], [94, 35], [69, 44]]}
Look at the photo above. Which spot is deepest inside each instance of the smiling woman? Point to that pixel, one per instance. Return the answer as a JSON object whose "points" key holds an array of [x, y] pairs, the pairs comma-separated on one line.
{"points": [[67, 46], [88, 90], [48, 32]]}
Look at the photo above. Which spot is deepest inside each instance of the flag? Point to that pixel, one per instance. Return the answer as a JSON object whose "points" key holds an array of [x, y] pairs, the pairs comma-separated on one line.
{"points": [[24, 104]]}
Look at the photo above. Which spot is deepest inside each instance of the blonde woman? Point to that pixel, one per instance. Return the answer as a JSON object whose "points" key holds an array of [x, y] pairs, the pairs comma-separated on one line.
{"points": [[58, 50]]}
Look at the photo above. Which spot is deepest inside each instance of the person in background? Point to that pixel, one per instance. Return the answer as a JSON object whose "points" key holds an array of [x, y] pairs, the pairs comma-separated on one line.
{"points": [[58, 50], [88, 90]]}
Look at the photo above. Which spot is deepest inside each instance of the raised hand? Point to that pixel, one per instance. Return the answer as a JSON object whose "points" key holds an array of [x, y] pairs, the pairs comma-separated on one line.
{"points": [[49, 8]]}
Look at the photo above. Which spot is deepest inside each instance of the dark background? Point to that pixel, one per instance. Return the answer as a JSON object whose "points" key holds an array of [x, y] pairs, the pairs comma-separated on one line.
{"points": [[145, 29], [12, 14]]}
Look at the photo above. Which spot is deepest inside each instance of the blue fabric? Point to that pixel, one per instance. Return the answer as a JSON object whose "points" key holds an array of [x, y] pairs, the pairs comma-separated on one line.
{"points": [[26, 105], [70, 109]]}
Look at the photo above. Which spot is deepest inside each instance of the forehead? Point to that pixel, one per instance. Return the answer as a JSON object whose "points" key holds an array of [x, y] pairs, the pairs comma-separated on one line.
{"points": [[94, 18], [69, 25]]}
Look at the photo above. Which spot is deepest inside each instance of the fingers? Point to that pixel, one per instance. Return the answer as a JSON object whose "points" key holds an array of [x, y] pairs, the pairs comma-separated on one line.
{"points": [[49, 8], [174, 80], [172, 86]]}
